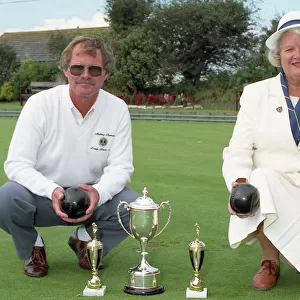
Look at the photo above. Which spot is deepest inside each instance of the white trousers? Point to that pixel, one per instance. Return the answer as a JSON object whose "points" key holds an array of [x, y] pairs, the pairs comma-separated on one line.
{"points": [[280, 211]]}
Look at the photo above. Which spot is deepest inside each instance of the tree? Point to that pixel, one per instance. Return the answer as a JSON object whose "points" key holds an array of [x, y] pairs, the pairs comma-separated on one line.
{"points": [[255, 66], [8, 62], [138, 62], [199, 36], [127, 14], [34, 71]]}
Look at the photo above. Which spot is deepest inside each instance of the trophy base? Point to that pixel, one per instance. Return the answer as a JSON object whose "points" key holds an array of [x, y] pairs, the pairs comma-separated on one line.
{"points": [[146, 292], [144, 281], [196, 294], [94, 292]]}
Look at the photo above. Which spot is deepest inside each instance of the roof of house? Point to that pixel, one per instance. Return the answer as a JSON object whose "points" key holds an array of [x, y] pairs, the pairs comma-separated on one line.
{"points": [[34, 44]]}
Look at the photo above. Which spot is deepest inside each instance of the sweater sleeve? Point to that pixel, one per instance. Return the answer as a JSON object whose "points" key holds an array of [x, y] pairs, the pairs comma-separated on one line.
{"points": [[23, 150], [119, 163], [237, 157]]}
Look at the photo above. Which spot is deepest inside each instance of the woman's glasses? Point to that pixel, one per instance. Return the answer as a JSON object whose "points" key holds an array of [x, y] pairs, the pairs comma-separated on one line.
{"points": [[77, 70]]}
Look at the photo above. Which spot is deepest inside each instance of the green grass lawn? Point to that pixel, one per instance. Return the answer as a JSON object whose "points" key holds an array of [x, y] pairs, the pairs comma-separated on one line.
{"points": [[179, 162], [10, 105]]}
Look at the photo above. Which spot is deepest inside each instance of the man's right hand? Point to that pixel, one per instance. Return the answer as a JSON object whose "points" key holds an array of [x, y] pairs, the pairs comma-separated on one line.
{"points": [[57, 196]]}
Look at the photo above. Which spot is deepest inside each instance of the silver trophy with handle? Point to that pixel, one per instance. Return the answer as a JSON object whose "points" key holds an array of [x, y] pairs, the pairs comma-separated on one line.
{"points": [[143, 220]]}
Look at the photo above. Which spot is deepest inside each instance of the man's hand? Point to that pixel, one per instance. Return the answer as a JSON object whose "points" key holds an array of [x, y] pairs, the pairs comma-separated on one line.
{"points": [[94, 200], [58, 196]]}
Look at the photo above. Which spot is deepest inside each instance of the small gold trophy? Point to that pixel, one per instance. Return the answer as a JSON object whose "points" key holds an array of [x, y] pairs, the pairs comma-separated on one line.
{"points": [[196, 252], [94, 251]]}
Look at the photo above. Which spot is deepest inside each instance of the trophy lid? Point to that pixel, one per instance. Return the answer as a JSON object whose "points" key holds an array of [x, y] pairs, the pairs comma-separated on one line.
{"points": [[144, 202]]}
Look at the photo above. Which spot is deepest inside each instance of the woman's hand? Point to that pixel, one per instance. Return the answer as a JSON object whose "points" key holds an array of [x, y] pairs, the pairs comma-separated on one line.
{"points": [[231, 211]]}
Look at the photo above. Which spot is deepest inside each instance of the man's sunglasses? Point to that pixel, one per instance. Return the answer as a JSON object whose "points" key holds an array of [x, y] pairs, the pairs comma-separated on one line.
{"points": [[94, 71]]}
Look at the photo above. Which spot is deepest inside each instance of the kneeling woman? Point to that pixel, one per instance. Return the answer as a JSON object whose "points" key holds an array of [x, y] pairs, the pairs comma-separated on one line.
{"points": [[264, 151]]}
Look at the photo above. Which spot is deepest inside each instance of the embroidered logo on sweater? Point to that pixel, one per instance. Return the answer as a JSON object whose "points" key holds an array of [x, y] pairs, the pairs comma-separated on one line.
{"points": [[103, 142]]}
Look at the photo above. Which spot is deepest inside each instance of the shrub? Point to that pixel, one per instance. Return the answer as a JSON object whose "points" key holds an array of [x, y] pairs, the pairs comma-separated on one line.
{"points": [[7, 92]]}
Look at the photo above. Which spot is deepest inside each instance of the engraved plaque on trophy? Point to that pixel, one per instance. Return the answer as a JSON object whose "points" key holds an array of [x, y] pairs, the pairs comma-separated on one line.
{"points": [[94, 251], [143, 220], [196, 253]]}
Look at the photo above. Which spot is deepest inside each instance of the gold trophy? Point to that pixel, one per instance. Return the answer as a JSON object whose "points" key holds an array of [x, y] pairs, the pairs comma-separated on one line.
{"points": [[94, 251], [196, 252], [143, 220]]}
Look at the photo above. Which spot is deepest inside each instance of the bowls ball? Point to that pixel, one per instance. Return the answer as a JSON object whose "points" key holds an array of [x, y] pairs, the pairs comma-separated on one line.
{"points": [[244, 199], [75, 202]]}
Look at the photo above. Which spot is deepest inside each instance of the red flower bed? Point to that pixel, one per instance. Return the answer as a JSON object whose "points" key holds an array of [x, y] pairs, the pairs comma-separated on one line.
{"points": [[167, 99]]}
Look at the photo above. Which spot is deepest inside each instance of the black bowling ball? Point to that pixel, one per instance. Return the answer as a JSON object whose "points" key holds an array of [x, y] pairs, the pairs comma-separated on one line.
{"points": [[75, 202], [244, 199]]}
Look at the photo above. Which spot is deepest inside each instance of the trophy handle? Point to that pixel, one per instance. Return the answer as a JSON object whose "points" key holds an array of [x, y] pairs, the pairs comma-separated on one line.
{"points": [[169, 217], [119, 217]]}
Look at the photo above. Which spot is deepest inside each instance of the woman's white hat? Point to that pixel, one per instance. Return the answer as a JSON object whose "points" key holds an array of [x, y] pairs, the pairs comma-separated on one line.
{"points": [[288, 21]]}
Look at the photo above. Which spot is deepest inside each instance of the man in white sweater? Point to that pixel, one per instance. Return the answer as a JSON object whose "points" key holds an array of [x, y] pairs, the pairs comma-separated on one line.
{"points": [[70, 135]]}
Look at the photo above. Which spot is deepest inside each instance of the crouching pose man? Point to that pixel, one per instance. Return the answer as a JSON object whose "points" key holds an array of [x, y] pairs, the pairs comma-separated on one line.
{"points": [[70, 135]]}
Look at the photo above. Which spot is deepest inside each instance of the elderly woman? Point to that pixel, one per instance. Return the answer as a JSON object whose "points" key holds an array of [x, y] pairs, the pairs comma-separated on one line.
{"points": [[264, 151]]}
